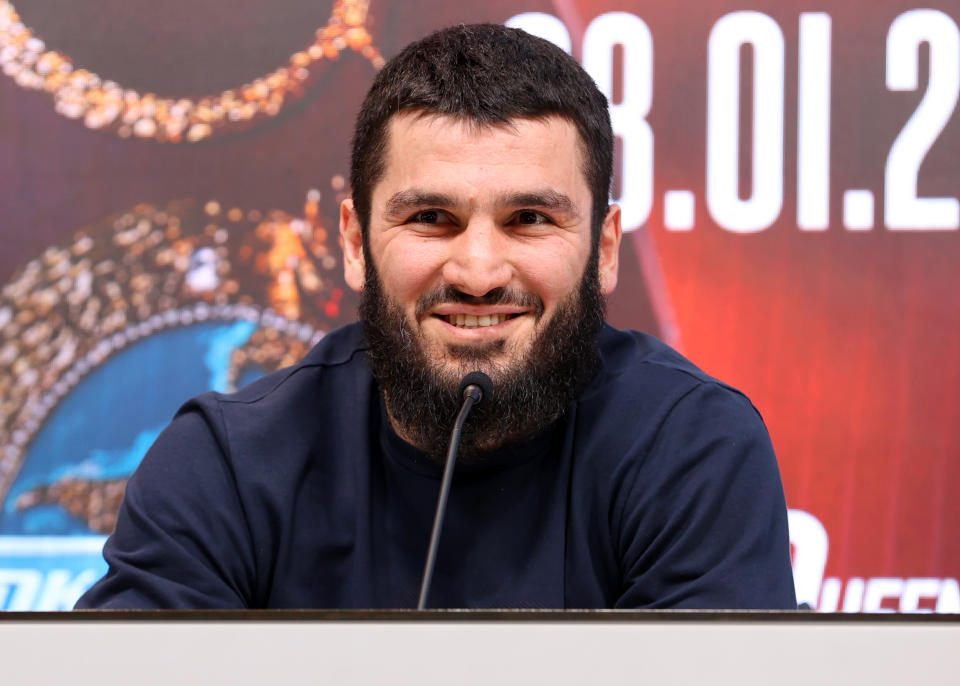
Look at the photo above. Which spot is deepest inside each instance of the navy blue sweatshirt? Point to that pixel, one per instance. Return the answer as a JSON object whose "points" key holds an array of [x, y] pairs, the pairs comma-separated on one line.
{"points": [[658, 488]]}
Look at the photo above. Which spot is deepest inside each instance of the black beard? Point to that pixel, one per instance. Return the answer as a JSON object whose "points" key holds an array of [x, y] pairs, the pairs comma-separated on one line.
{"points": [[529, 394]]}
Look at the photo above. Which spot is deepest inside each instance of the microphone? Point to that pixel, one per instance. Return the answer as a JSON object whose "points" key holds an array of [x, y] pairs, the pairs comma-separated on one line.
{"points": [[474, 387], [476, 382]]}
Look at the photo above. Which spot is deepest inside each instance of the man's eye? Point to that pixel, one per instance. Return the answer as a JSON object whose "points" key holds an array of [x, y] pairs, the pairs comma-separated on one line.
{"points": [[427, 217], [530, 217]]}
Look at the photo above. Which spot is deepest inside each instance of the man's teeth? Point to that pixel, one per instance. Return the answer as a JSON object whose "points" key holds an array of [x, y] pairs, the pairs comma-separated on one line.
{"points": [[472, 321]]}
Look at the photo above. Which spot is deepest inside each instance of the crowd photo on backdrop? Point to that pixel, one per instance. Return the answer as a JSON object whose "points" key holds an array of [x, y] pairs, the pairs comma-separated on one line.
{"points": [[599, 469]]}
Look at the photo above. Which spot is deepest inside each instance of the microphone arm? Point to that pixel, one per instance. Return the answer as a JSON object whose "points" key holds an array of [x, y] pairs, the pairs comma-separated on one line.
{"points": [[474, 387]]}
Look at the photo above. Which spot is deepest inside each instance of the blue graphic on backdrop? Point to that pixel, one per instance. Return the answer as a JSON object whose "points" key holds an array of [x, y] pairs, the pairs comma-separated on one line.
{"points": [[96, 437]]}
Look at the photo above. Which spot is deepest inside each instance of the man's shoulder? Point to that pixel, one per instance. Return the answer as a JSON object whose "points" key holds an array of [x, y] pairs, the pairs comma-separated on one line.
{"points": [[647, 396], [329, 386], [687, 474], [638, 366], [341, 348], [291, 412]]}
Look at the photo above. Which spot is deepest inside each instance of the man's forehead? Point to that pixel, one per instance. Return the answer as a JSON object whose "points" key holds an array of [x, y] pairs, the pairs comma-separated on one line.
{"points": [[467, 124], [432, 130], [471, 128]]}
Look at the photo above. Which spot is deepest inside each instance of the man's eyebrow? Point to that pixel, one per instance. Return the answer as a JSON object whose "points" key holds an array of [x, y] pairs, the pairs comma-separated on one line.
{"points": [[548, 200], [406, 200], [403, 201]]}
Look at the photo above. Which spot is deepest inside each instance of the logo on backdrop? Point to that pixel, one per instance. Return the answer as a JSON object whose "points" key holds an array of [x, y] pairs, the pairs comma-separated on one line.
{"points": [[101, 339], [809, 546]]}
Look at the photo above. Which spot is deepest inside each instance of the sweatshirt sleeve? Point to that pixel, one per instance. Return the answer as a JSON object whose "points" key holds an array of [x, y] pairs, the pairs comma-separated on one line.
{"points": [[700, 521], [181, 539]]}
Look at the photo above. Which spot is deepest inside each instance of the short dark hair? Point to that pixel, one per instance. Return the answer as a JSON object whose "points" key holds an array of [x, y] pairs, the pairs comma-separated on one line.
{"points": [[488, 74]]}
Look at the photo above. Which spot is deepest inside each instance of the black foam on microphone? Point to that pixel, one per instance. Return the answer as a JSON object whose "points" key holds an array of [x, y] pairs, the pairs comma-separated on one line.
{"points": [[474, 387], [481, 381]]}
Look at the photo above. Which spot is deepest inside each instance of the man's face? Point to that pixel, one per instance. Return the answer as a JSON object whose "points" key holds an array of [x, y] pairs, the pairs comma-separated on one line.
{"points": [[479, 238]]}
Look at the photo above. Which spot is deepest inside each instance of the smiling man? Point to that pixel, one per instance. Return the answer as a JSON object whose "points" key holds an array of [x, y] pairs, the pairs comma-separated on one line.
{"points": [[605, 471]]}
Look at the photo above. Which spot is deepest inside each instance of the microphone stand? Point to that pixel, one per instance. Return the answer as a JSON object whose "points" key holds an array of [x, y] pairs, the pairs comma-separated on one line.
{"points": [[472, 394]]}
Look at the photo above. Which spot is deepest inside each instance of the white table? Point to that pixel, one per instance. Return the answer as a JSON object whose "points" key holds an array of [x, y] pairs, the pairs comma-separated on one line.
{"points": [[469, 647]]}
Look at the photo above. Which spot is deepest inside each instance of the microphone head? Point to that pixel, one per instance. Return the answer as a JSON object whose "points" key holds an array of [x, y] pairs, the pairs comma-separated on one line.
{"points": [[481, 381]]}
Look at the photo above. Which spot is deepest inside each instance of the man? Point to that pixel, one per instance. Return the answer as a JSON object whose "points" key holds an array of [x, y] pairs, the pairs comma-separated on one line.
{"points": [[605, 470]]}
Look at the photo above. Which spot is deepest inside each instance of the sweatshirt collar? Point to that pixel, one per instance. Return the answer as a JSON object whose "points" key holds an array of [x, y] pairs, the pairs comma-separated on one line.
{"points": [[399, 451]]}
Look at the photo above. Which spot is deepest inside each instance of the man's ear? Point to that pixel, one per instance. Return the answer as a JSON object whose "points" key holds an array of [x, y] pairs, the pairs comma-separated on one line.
{"points": [[609, 262], [351, 238]]}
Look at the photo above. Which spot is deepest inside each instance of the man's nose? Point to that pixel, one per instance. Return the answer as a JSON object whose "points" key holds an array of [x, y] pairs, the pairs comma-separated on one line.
{"points": [[479, 259]]}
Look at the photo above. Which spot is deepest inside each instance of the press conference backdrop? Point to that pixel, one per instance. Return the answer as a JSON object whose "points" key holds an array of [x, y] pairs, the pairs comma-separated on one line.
{"points": [[788, 172]]}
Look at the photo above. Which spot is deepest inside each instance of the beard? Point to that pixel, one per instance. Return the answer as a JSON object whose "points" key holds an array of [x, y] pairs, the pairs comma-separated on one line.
{"points": [[530, 392]]}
